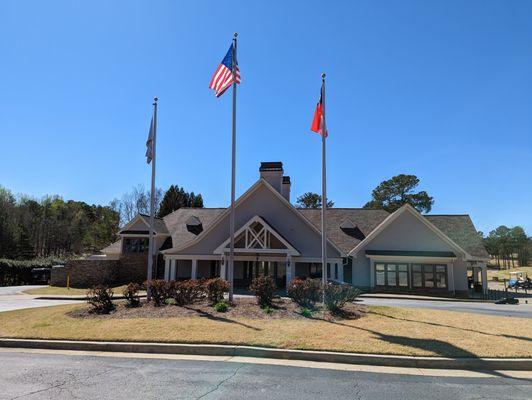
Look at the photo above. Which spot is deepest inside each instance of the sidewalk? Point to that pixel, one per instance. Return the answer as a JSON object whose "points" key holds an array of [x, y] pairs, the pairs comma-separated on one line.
{"points": [[77, 297], [399, 296]]}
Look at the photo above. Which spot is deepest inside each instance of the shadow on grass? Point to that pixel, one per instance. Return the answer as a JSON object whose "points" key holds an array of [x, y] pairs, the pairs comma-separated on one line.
{"points": [[219, 318], [450, 326], [440, 347]]}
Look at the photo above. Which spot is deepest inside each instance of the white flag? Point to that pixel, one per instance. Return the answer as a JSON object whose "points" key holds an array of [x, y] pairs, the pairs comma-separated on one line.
{"points": [[149, 144]]}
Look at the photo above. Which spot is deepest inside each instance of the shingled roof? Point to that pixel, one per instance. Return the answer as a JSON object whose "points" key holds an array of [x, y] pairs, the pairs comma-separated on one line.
{"points": [[177, 226], [113, 248], [159, 225], [364, 219], [460, 229]]}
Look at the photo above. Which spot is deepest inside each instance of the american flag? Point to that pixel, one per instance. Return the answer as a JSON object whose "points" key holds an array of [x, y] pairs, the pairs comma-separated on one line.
{"points": [[223, 76]]}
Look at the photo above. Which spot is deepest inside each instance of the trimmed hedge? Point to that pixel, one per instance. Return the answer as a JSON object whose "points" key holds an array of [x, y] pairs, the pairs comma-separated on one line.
{"points": [[18, 272]]}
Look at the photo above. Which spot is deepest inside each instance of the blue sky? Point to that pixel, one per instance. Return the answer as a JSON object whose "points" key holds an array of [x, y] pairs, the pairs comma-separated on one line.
{"points": [[439, 89]]}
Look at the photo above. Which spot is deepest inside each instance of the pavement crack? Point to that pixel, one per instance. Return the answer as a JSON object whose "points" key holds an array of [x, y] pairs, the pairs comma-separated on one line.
{"points": [[221, 382], [60, 386], [39, 391]]}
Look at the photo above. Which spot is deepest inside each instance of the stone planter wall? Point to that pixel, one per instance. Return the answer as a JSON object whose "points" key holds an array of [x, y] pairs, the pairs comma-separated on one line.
{"points": [[87, 273]]}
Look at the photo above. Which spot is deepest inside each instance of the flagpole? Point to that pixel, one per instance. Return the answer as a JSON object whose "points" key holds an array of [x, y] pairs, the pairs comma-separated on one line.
{"points": [[230, 271], [152, 203], [323, 190]]}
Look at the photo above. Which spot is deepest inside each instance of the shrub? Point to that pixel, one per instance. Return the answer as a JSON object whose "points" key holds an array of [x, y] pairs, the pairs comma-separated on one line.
{"points": [[131, 293], [221, 306], [306, 312], [268, 310], [336, 296], [263, 288], [215, 289], [160, 291], [100, 298], [187, 292], [305, 292]]}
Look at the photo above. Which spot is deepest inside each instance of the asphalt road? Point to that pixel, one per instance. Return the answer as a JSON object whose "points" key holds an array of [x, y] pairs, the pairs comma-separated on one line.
{"points": [[12, 298], [52, 376], [504, 310]]}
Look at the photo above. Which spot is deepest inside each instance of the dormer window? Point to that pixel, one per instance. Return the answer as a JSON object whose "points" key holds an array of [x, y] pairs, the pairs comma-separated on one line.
{"points": [[194, 225], [352, 230]]}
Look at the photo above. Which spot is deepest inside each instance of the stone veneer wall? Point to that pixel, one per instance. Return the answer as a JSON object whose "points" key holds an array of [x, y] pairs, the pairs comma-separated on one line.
{"points": [[87, 273]]}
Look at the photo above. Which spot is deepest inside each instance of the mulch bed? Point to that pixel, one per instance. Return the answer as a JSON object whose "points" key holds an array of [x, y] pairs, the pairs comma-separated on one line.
{"points": [[241, 308]]}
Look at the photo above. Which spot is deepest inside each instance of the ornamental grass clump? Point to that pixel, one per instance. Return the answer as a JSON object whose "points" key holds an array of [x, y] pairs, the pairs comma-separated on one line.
{"points": [[100, 298], [336, 296], [305, 292], [221, 306], [263, 288]]}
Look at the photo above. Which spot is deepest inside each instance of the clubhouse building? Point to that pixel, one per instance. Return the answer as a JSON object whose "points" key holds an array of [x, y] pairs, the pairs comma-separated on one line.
{"points": [[403, 251]]}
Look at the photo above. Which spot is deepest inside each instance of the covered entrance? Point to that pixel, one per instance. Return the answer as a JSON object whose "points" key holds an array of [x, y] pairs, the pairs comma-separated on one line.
{"points": [[260, 250], [246, 271]]}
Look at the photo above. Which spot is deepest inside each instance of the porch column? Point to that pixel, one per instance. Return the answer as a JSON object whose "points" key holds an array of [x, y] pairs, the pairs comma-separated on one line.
{"points": [[484, 272], [223, 267], [341, 271], [173, 269], [288, 270], [194, 270], [475, 274], [167, 269], [371, 274], [450, 277]]}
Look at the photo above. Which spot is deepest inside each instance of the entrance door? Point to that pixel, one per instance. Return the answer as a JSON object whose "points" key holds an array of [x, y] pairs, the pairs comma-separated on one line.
{"points": [[254, 269]]}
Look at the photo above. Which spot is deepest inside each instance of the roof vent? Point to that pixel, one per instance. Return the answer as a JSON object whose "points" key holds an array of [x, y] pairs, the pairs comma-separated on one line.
{"points": [[194, 225], [352, 230]]}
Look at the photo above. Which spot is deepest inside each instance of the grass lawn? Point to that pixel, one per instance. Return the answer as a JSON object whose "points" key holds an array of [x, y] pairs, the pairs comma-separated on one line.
{"points": [[383, 330], [63, 291], [505, 273]]}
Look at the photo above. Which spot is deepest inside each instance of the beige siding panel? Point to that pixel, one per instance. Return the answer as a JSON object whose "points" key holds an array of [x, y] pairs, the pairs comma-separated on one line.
{"points": [[407, 233]]}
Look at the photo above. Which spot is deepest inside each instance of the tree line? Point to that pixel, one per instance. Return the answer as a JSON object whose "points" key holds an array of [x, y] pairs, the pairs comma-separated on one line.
{"points": [[137, 201], [508, 245], [53, 227]]}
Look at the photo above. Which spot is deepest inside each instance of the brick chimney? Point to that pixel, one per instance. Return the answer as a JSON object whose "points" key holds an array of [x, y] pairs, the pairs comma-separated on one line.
{"points": [[272, 172], [285, 189]]}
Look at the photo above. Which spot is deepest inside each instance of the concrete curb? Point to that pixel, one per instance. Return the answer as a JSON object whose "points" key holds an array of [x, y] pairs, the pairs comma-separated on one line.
{"points": [[483, 364]]}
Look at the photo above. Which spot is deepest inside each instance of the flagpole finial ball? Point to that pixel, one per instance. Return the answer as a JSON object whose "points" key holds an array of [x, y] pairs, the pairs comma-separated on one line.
{"points": [[235, 35], [155, 99], [323, 75]]}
